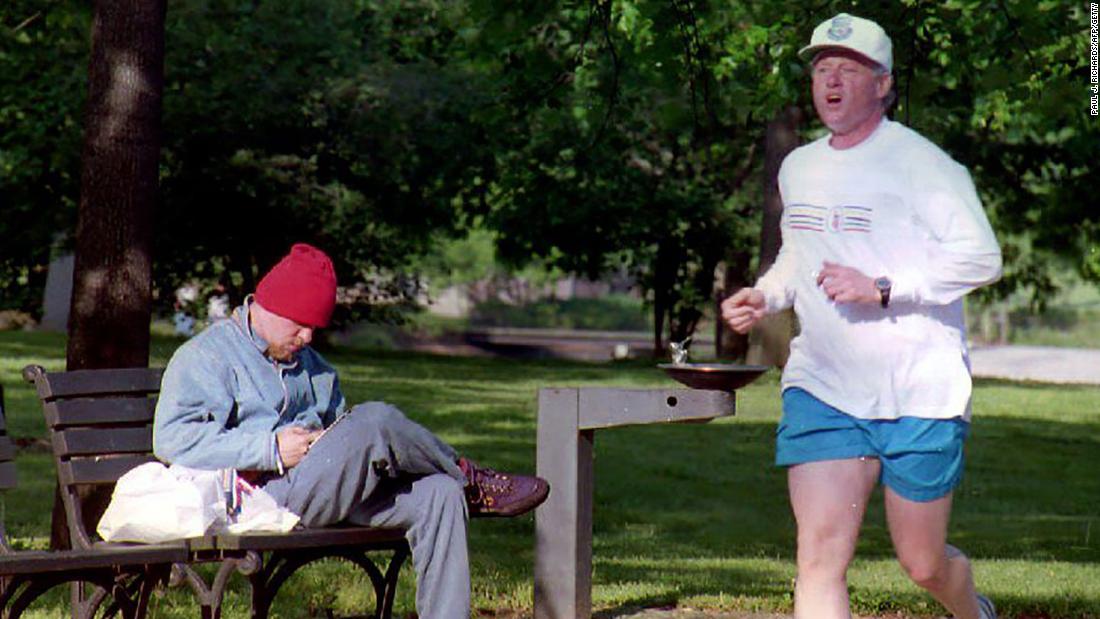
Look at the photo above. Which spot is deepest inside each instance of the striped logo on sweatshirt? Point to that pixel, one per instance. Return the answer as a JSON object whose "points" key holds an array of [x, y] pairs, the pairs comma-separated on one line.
{"points": [[843, 218]]}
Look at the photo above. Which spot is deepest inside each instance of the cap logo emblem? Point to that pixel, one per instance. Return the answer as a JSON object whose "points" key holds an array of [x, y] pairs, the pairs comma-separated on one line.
{"points": [[841, 28]]}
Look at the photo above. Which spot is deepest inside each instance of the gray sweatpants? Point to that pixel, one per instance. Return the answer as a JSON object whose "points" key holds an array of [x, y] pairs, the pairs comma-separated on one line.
{"points": [[376, 467]]}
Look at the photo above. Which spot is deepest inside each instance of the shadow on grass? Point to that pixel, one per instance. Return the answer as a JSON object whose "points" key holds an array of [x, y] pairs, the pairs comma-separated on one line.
{"points": [[687, 581]]}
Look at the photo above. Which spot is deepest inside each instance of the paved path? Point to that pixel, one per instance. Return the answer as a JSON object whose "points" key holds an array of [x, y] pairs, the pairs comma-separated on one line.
{"points": [[682, 613], [697, 614], [1038, 363]]}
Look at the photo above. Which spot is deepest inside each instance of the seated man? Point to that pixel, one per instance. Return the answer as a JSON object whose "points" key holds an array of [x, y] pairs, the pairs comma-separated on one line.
{"points": [[249, 393]]}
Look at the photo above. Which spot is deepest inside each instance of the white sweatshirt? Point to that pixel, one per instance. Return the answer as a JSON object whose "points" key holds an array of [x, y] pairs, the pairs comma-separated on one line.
{"points": [[894, 205]]}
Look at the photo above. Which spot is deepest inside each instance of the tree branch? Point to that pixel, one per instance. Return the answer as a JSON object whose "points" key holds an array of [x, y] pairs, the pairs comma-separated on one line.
{"points": [[564, 76], [613, 94], [26, 22], [689, 61], [1016, 30], [738, 179]]}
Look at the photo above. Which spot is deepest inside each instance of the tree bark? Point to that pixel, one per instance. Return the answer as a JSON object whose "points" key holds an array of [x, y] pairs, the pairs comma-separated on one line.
{"points": [[112, 278], [662, 295], [769, 342], [729, 344]]}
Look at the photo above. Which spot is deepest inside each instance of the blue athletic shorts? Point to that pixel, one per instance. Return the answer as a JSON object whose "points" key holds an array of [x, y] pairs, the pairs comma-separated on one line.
{"points": [[922, 459]]}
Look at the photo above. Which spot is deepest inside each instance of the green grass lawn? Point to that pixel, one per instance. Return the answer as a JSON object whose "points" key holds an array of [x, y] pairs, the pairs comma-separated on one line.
{"points": [[694, 515]]}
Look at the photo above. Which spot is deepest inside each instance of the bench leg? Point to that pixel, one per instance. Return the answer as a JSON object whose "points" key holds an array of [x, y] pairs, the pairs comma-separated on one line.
{"points": [[210, 597], [8, 585], [23, 591], [153, 576], [85, 604], [385, 604], [129, 596], [14, 586], [210, 608], [280, 566]]}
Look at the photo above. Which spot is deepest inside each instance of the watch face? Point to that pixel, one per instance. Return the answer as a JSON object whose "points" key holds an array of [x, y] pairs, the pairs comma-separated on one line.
{"points": [[882, 283]]}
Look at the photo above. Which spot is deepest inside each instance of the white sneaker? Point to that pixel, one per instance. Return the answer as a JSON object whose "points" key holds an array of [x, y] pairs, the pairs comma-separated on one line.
{"points": [[986, 608]]}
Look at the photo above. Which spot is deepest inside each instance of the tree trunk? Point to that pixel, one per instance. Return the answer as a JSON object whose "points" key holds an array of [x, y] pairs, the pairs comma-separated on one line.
{"points": [[729, 344], [769, 342], [112, 278], [658, 323], [662, 297]]}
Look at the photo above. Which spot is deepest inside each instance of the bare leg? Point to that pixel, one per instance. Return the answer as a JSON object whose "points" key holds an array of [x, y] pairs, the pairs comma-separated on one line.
{"points": [[919, 532], [828, 499]]}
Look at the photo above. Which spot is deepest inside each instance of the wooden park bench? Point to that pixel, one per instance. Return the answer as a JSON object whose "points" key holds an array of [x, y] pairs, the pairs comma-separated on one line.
{"points": [[123, 576], [100, 424]]}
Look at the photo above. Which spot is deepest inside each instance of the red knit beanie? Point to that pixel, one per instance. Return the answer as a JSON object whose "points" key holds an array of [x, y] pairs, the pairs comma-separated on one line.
{"points": [[302, 287]]}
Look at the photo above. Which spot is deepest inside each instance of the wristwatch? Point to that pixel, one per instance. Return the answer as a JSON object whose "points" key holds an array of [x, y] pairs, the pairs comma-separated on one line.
{"points": [[883, 285]]}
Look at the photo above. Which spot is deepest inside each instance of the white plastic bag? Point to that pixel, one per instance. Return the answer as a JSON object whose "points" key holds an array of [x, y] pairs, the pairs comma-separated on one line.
{"points": [[259, 512], [153, 503]]}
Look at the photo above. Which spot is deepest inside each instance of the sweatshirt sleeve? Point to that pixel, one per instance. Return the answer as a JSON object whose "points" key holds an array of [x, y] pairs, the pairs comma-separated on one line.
{"points": [[192, 424], [777, 282], [963, 253], [330, 399]]}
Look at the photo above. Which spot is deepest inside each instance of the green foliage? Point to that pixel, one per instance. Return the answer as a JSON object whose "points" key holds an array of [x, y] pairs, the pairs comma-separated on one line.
{"points": [[345, 124], [608, 313], [605, 136], [472, 262], [629, 130], [1002, 87], [43, 70], [462, 261], [336, 123]]}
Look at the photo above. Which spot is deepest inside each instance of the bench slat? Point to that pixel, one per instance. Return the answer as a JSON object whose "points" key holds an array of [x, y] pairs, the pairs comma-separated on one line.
{"points": [[8, 478], [7, 449], [93, 441], [42, 561], [98, 470], [311, 538], [99, 411], [97, 382]]}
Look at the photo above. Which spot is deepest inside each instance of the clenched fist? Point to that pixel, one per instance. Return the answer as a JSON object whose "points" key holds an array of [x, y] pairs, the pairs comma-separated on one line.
{"points": [[742, 310]]}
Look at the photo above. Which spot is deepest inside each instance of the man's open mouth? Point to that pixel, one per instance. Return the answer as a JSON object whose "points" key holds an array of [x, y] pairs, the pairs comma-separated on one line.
{"points": [[832, 99]]}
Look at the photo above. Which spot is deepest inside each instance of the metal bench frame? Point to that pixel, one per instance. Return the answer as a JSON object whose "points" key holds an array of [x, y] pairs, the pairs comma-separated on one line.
{"points": [[123, 576], [100, 426]]}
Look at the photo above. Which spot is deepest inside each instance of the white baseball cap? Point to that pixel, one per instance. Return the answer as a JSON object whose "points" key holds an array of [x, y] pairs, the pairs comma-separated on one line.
{"points": [[845, 31]]}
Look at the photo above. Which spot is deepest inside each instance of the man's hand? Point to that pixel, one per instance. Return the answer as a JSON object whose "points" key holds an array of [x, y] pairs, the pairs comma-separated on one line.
{"points": [[294, 442], [847, 285], [742, 310]]}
